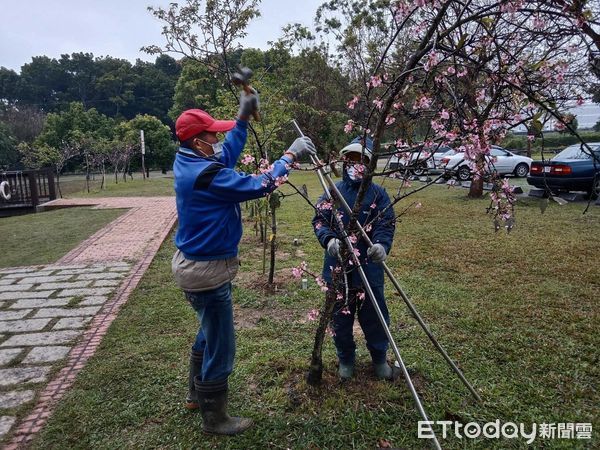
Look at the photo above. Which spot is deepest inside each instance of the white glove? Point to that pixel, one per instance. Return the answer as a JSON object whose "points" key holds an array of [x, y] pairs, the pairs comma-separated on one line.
{"points": [[377, 253], [333, 247]]}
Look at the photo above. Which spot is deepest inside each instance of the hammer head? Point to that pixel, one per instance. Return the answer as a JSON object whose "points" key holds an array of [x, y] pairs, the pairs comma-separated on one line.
{"points": [[242, 76]]}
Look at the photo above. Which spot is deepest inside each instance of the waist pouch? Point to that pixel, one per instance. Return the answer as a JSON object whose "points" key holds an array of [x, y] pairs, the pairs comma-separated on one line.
{"points": [[197, 276]]}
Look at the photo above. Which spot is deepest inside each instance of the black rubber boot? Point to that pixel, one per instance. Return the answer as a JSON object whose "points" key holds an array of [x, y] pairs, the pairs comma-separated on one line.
{"points": [[195, 371], [384, 371], [212, 396]]}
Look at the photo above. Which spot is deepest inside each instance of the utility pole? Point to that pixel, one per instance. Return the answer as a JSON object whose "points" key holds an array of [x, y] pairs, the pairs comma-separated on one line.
{"points": [[143, 154]]}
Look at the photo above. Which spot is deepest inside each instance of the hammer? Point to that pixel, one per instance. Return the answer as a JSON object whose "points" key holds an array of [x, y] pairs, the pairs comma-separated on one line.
{"points": [[242, 77]]}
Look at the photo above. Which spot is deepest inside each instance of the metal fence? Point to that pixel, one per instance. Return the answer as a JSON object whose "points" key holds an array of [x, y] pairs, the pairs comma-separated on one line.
{"points": [[26, 189]]}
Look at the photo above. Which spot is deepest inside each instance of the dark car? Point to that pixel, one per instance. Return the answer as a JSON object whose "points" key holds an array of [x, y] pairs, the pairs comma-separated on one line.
{"points": [[573, 169]]}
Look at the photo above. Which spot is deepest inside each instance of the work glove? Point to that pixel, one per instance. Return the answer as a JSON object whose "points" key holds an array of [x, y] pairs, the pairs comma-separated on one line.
{"points": [[248, 104], [377, 253], [302, 146], [333, 247]]}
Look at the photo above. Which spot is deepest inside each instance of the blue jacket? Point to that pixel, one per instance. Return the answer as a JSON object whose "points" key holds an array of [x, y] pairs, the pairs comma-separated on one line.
{"points": [[382, 229], [208, 192]]}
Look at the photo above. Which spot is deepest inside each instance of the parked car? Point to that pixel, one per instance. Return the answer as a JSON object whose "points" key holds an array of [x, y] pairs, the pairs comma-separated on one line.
{"points": [[573, 169], [500, 161], [419, 160]]}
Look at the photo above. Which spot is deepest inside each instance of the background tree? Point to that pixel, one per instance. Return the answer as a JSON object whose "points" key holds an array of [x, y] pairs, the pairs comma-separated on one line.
{"points": [[9, 155]]}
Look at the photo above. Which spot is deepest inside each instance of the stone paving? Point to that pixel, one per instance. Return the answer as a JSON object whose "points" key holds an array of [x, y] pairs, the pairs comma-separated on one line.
{"points": [[53, 317]]}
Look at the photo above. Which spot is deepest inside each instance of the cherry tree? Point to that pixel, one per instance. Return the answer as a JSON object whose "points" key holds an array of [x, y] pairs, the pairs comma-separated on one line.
{"points": [[462, 74]]}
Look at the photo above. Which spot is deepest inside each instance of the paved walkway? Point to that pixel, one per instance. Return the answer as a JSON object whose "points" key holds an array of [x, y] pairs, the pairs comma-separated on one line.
{"points": [[56, 315]]}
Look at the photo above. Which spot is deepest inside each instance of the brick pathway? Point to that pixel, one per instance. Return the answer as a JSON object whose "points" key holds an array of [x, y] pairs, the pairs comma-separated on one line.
{"points": [[56, 315]]}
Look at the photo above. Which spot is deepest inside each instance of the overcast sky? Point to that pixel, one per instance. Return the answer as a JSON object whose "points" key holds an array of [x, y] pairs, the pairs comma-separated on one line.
{"points": [[114, 27]]}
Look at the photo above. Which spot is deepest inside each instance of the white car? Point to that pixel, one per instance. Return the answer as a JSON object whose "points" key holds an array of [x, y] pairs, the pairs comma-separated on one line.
{"points": [[419, 160], [500, 161]]}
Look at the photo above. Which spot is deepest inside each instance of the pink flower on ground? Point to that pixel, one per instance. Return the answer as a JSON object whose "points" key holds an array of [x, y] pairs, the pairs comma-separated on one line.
{"points": [[418, 205], [312, 314]]}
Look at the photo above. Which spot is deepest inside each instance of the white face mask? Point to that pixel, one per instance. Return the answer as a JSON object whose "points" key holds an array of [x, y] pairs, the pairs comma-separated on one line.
{"points": [[217, 149], [356, 171]]}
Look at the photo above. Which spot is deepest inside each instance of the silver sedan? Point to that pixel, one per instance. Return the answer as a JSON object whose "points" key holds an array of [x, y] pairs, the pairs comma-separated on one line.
{"points": [[499, 161]]}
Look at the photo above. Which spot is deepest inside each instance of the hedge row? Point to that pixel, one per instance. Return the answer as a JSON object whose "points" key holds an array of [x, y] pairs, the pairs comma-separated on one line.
{"points": [[551, 141]]}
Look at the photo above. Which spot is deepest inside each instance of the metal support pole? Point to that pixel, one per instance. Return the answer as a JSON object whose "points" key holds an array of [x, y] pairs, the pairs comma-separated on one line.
{"points": [[399, 289], [143, 147], [435, 443]]}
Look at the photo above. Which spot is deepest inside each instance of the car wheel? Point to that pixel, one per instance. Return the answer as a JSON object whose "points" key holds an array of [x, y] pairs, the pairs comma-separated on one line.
{"points": [[464, 173], [419, 170], [521, 170]]}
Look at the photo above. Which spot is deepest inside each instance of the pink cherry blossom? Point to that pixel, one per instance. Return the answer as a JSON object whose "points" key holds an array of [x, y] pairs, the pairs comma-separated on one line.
{"points": [[389, 120], [349, 126], [248, 159], [374, 81], [321, 284], [324, 206], [298, 271], [538, 23], [352, 103]]}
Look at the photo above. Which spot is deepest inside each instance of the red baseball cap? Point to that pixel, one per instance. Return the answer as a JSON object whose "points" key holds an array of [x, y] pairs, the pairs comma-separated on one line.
{"points": [[194, 121]]}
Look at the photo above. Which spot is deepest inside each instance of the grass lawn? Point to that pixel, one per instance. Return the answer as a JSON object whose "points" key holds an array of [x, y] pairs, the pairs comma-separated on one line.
{"points": [[43, 238], [156, 185], [519, 312]]}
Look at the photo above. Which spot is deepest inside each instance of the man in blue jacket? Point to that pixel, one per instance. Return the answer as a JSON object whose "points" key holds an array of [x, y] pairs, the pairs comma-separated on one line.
{"points": [[208, 192], [379, 222]]}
